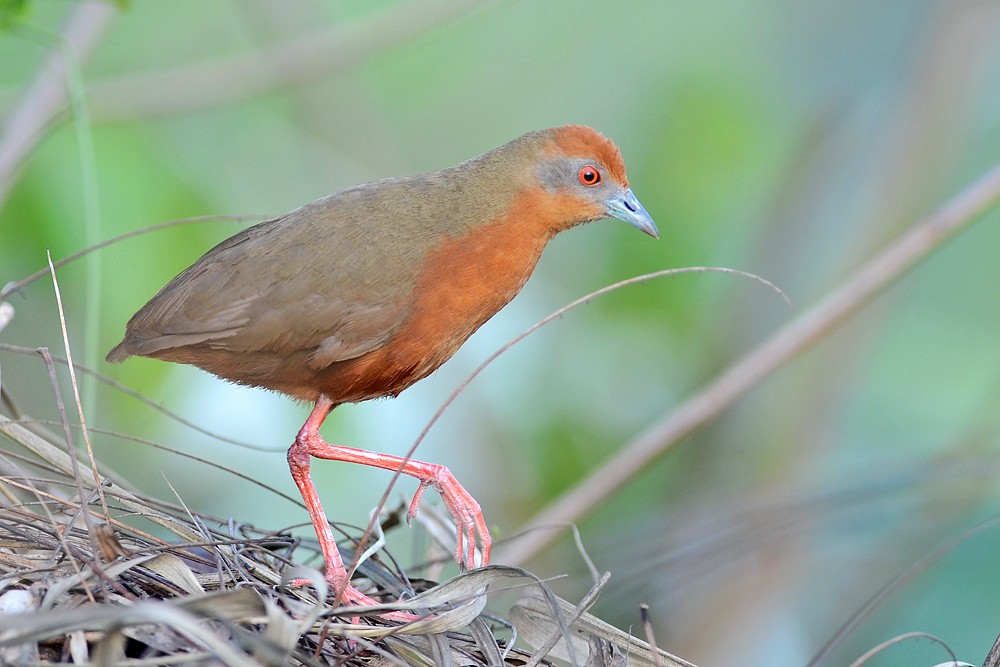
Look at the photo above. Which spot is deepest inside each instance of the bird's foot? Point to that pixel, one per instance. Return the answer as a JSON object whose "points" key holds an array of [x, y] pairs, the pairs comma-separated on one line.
{"points": [[465, 512]]}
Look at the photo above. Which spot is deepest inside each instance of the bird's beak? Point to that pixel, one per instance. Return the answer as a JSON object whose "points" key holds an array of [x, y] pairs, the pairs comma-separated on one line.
{"points": [[625, 206]]}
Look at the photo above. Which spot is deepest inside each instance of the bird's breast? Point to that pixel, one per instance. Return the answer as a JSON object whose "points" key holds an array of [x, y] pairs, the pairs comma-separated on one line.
{"points": [[462, 283]]}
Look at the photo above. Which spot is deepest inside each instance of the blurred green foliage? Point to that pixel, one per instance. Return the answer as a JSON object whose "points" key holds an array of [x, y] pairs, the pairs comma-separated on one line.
{"points": [[791, 139], [11, 11]]}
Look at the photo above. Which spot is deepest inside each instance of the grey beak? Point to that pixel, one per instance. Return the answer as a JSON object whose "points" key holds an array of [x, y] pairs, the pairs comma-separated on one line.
{"points": [[625, 206]]}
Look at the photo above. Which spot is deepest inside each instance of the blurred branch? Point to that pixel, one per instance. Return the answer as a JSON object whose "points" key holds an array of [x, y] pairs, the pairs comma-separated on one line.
{"points": [[48, 94], [202, 85], [788, 343], [208, 84]]}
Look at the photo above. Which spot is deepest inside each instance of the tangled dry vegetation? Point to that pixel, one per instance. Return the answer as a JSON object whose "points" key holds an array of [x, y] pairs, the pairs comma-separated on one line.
{"points": [[92, 572]]}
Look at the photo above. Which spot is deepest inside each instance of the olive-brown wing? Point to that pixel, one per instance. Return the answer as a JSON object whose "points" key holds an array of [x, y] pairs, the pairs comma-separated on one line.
{"points": [[316, 279]]}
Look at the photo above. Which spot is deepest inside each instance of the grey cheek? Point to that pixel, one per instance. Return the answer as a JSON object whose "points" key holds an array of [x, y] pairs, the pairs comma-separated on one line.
{"points": [[554, 175]]}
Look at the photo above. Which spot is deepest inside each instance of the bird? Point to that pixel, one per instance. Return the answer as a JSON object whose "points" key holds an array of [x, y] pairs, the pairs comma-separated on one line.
{"points": [[362, 293]]}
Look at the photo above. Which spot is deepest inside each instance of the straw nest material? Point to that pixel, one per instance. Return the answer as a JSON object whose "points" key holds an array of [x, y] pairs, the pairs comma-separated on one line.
{"points": [[92, 572]]}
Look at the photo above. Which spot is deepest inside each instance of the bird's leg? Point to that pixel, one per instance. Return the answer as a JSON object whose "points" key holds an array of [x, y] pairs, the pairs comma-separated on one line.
{"points": [[298, 463], [464, 509]]}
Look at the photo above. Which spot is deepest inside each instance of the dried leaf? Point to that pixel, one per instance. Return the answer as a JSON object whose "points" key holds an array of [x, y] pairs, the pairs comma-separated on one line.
{"points": [[176, 571]]}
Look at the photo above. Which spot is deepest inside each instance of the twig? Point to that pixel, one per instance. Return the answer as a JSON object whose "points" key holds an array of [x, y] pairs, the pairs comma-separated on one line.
{"points": [[61, 460], [181, 453], [71, 451], [98, 486], [871, 653], [153, 405], [58, 535], [647, 628], [799, 335]]}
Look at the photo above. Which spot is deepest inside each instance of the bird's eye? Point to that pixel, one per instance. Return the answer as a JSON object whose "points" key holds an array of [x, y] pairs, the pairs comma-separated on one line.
{"points": [[589, 175]]}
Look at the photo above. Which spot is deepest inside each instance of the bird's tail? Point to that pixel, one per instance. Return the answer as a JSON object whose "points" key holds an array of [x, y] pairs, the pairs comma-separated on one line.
{"points": [[118, 353]]}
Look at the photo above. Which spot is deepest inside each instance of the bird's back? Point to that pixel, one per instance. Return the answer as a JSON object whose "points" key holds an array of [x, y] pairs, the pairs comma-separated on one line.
{"points": [[303, 303]]}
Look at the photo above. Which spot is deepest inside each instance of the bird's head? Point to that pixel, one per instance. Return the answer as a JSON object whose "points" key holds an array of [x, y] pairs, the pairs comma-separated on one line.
{"points": [[584, 171]]}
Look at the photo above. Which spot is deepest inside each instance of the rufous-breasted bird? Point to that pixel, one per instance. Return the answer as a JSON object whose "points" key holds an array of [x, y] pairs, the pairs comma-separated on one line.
{"points": [[361, 293]]}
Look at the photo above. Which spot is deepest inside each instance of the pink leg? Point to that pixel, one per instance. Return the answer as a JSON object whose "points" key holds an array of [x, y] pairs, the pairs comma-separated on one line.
{"points": [[464, 509], [336, 573]]}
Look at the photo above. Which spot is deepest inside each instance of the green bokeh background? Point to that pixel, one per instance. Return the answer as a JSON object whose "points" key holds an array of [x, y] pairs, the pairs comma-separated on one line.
{"points": [[790, 139]]}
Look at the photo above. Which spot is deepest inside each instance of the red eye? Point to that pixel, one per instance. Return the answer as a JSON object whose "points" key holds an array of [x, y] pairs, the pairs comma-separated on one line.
{"points": [[589, 175]]}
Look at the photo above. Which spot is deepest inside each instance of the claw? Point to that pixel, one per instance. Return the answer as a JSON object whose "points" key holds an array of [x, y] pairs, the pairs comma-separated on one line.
{"points": [[415, 503], [465, 512]]}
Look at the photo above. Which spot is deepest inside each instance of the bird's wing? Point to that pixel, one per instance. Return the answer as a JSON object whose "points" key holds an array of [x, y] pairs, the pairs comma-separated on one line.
{"points": [[268, 289]]}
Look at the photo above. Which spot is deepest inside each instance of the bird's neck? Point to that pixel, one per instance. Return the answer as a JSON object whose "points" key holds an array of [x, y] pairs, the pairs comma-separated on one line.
{"points": [[468, 278]]}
